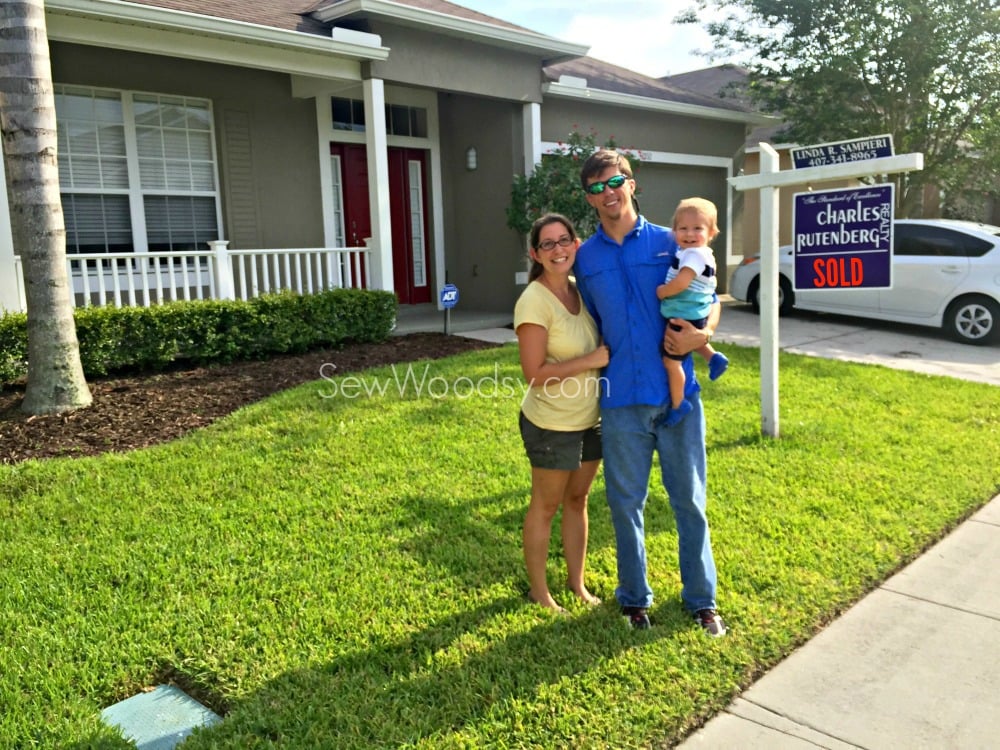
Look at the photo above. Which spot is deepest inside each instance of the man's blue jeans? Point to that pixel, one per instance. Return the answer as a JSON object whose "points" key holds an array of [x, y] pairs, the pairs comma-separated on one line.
{"points": [[628, 441]]}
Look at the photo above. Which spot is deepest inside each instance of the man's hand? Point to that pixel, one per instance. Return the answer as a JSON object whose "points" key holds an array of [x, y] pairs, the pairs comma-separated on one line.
{"points": [[686, 339]]}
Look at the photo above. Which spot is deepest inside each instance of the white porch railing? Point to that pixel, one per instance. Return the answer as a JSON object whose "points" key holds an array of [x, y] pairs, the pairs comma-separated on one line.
{"points": [[146, 279]]}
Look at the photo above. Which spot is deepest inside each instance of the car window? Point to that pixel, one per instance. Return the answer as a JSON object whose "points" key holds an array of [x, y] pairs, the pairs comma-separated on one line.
{"points": [[921, 239]]}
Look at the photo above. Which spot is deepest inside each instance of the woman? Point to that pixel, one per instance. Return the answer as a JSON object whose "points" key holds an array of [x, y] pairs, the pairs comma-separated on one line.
{"points": [[561, 357]]}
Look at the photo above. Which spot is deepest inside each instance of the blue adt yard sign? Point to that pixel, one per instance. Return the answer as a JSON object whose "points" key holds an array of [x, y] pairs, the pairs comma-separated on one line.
{"points": [[449, 296], [843, 238]]}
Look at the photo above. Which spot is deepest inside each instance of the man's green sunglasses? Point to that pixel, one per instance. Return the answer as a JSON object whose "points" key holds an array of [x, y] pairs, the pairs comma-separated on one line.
{"points": [[596, 188]]}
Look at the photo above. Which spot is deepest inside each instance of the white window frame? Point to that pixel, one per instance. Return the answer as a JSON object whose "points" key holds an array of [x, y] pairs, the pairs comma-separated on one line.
{"points": [[337, 209], [135, 192], [418, 270]]}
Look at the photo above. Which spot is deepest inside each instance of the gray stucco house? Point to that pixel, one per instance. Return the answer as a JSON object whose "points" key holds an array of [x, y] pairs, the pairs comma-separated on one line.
{"points": [[296, 124]]}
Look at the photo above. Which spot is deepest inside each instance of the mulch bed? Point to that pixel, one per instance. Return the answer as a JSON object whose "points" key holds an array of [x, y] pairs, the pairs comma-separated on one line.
{"points": [[136, 411]]}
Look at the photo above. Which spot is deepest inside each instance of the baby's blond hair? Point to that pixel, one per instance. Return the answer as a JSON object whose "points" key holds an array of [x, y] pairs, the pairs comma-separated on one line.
{"points": [[702, 206]]}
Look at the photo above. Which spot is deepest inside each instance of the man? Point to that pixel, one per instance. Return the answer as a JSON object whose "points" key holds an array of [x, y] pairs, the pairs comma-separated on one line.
{"points": [[617, 272]]}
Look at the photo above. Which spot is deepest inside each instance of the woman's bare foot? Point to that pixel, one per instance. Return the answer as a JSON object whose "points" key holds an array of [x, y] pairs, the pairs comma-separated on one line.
{"points": [[545, 601], [585, 596]]}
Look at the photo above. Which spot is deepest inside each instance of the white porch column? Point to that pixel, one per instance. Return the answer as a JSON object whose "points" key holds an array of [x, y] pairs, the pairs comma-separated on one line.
{"points": [[378, 184], [531, 123], [11, 288], [225, 285]]}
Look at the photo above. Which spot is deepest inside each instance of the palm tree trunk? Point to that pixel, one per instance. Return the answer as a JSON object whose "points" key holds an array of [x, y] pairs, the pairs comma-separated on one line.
{"points": [[56, 382]]}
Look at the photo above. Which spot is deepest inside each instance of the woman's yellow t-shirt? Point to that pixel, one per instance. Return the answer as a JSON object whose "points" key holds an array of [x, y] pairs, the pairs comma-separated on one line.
{"points": [[571, 403]]}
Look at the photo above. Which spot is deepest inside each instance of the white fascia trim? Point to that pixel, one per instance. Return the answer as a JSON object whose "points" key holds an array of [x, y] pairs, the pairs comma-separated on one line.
{"points": [[481, 31], [775, 146], [664, 157], [600, 96], [117, 11], [688, 160]]}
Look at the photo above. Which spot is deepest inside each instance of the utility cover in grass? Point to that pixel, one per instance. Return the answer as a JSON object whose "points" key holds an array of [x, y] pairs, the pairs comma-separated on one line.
{"points": [[160, 719]]}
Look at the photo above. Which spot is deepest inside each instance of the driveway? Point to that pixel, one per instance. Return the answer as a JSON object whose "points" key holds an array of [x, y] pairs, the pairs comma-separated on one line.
{"points": [[896, 345]]}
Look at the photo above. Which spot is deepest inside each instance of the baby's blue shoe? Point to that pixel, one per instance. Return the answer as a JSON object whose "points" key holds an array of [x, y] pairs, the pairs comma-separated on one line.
{"points": [[672, 417], [717, 365]]}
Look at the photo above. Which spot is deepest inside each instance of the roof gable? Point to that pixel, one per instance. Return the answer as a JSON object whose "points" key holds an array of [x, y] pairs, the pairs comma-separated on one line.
{"points": [[288, 15], [730, 83], [312, 21], [608, 77], [434, 6], [722, 81], [448, 19]]}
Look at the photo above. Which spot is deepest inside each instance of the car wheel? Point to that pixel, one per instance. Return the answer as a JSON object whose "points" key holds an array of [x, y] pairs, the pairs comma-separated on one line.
{"points": [[786, 297], [753, 294], [973, 320]]}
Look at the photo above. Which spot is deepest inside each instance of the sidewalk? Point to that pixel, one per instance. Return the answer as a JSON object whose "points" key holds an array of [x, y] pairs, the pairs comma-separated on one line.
{"points": [[916, 663]]}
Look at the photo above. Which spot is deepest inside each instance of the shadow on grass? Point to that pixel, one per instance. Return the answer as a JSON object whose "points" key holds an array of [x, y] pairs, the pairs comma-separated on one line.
{"points": [[402, 684], [436, 682], [470, 526], [446, 677], [439, 681]]}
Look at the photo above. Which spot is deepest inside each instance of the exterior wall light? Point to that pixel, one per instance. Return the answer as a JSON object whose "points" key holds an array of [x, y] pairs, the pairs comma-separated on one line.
{"points": [[471, 159]]}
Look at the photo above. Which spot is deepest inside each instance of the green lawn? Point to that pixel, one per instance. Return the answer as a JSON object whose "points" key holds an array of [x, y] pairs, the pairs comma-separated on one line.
{"points": [[343, 572]]}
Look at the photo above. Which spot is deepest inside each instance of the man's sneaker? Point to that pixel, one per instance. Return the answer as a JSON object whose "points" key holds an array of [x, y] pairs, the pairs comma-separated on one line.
{"points": [[638, 618], [710, 622]]}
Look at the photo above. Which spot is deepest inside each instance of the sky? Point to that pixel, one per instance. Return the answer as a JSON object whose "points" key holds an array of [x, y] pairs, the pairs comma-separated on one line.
{"points": [[635, 34]]}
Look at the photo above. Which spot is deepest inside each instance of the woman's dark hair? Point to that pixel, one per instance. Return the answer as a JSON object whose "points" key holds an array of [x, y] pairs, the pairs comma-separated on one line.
{"points": [[536, 231]]}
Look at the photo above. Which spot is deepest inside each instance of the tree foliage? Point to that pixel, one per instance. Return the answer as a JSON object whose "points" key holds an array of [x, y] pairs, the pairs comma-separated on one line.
{"points": [[926, 71], [554, 185]]}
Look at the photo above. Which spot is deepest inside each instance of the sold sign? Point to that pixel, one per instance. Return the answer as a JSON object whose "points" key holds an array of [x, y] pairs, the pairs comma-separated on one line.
{"points": [[843, 238]]}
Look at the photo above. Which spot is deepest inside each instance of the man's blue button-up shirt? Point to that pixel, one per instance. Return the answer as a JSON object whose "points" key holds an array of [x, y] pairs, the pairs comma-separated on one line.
{"points": [[618, 285]]}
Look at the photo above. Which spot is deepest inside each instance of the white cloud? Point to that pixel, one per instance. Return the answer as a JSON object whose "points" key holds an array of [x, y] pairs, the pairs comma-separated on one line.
{"points": [[654, 45], [637, 34]]}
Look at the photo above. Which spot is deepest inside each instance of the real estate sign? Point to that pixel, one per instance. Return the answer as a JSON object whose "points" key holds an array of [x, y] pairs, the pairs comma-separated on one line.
{"points": [[843, 238], [842, 152]]}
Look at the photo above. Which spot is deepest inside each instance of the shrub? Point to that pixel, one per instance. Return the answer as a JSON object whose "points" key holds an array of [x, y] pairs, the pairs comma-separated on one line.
{"points": [[143, 339], [554, 185], [13, 346], [115, 338]]}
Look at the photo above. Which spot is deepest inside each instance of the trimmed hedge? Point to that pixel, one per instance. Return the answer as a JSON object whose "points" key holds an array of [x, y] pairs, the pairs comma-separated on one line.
{"points": [[143, 339], [13, 347]]}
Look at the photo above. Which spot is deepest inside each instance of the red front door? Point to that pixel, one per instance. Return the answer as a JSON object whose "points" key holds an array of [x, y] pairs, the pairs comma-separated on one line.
{"points": [[354, 182], [407, 209], [407, 213]]}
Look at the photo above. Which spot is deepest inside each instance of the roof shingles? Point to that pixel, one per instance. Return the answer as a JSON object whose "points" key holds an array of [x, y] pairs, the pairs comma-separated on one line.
{"points": [[295, 15], [603, 75], [289, 15]]}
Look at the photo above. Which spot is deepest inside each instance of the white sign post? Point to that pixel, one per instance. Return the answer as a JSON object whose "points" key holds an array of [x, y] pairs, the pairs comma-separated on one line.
{"points": [[770, 179]]}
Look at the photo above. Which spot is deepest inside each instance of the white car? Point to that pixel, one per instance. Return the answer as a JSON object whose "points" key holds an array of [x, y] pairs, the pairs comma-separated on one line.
{"points": [[945, 274]]}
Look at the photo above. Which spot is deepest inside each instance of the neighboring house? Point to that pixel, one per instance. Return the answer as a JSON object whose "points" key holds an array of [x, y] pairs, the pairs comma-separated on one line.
{"points": [[730, 83], [289, 125]]}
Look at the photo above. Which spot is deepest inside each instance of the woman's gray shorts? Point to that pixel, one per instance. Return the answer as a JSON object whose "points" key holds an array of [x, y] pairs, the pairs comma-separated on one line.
{"points": [[553, 449]]}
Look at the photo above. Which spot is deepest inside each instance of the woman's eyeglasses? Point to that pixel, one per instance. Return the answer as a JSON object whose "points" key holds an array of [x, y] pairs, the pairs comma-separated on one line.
{"points": [[596, 188], [564, 241]]}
